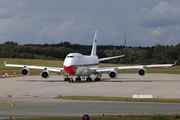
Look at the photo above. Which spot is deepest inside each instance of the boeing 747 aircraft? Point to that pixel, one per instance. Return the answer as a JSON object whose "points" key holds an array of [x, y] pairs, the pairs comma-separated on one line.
{"points": [[76, 64]]}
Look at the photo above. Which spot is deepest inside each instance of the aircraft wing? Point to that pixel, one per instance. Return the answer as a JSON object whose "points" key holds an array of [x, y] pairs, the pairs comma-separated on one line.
{"points": [[108, 58], [108, 69], [54, 69]]}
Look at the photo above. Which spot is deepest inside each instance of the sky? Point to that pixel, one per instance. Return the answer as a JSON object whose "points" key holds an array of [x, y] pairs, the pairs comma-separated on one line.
{"points": [[53, 21]]}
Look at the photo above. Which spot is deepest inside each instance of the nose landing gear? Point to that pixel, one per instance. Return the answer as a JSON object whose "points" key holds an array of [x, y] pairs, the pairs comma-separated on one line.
{"points": [[71, 79]]}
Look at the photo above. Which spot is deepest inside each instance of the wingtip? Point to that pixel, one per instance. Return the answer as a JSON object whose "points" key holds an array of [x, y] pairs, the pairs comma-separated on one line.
{"points": [[121, 55]]}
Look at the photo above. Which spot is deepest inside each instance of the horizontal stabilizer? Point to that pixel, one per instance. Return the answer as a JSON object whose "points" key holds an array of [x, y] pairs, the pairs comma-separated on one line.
{"points": [[108, 58], [175, 63]]}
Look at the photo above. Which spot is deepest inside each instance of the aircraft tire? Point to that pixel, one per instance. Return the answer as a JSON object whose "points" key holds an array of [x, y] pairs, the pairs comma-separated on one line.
{"points": [[88, 79]]}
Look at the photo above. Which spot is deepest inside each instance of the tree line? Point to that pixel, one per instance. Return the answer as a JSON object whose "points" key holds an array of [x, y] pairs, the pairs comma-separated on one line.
{"points": [[133, 55]]}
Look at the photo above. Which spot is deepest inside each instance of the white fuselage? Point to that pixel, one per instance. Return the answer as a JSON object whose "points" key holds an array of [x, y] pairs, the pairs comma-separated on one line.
{"points": [[78, 64]]}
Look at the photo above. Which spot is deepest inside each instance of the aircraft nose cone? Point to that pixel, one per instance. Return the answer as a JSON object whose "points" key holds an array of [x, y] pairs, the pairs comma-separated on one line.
{"points": [[69, 70]]}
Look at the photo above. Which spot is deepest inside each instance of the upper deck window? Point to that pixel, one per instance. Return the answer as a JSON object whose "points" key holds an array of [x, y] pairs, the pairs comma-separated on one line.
{"points": [[70, 56]]}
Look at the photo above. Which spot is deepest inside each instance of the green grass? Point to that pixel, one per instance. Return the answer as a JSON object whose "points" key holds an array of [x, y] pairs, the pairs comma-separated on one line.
{"points": [[112, 117], [101, 98]]}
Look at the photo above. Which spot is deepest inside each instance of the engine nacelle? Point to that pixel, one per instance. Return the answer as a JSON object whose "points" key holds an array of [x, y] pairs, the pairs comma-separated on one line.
{"points": [[25, 71], [142, 72], [45, 74], [113, 74]]}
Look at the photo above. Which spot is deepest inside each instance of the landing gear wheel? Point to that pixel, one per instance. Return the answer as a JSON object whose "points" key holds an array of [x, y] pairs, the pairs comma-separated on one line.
{"points": [[78, 79], [66, 79], [97, 79], [71, 80], [88, 79]]}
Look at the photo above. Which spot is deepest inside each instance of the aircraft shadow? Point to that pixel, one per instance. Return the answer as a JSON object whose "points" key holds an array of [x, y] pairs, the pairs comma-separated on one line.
{"points": [[102, 80], [40, 80]]}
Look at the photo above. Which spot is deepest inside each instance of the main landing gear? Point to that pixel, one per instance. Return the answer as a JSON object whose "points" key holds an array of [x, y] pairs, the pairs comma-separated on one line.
{"points": [[70, 79], [97, 77], [78, 78], [88, 79]]}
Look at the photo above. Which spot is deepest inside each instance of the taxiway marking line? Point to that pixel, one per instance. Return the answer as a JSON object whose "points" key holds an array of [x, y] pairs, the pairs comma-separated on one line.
{"points": [[33, 88], [10, 105]]}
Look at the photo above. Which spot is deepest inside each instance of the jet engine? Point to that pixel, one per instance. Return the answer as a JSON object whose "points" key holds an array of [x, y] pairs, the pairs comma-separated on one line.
{"points": [[25, 71], [142, 72], [45, 74], [113, 74]]}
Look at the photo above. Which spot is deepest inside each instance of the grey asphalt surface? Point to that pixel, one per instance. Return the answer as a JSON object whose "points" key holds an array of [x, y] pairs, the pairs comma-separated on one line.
{"points": [[33, 96]]}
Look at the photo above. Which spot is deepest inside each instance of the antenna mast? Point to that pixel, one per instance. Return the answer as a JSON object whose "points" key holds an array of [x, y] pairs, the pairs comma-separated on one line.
{"points": [[125, 39]]}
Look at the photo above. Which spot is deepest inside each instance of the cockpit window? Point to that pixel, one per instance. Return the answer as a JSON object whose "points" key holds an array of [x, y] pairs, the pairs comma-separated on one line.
{"points": [[70, 56]]}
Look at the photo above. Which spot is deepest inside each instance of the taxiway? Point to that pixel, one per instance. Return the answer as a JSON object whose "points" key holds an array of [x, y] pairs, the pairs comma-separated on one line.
{"points": [[33, 96]]}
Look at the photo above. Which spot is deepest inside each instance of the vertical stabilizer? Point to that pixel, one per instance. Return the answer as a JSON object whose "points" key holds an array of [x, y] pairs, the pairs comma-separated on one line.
{"points": [[93, 52]]}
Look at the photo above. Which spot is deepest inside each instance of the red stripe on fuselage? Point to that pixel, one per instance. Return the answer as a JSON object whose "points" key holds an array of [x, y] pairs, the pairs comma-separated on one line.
{"points": [[70, 70]]}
